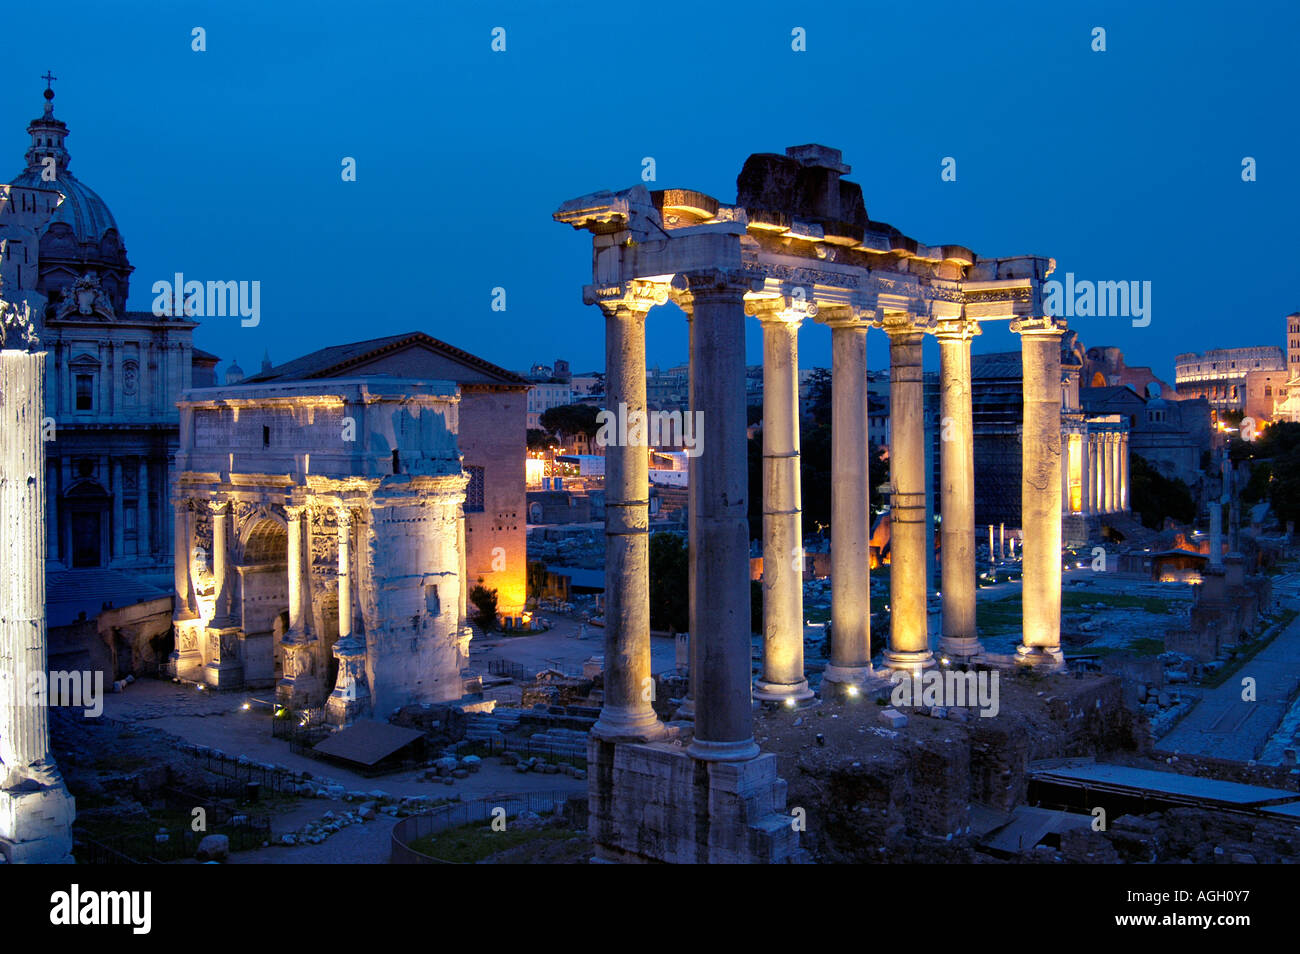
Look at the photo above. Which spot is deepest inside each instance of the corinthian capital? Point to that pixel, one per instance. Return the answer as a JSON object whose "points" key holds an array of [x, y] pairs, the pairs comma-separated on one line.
{"points": [[638, 295]]}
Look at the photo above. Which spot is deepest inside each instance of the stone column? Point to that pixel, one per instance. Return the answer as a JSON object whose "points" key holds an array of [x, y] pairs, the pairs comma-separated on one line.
{"points": [[957, 488], [1089, 474], [1040, 490], [183, 599], [119, 524], [1123, 473], [36, 810], [1216, 533], [850, 663], [909, 641], [224, 669], [345, 577], [627, 713], [144, 547], [783, 674], [300, 685], [350, 697], [220, 563], [719, 552]]}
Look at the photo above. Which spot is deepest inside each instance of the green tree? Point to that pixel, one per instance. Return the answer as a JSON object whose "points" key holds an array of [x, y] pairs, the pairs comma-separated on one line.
{"points": [[1156, 497], [485, 602], [570, 420], [670, 599], [539, 439]]}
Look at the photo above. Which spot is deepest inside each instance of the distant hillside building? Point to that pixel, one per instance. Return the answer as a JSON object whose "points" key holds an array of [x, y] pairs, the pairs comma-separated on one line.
{"points": [[1222, 376]]}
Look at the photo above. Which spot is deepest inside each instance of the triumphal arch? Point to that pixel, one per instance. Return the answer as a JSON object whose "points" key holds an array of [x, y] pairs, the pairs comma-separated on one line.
{"points": [[796, 246], [320, 543]]}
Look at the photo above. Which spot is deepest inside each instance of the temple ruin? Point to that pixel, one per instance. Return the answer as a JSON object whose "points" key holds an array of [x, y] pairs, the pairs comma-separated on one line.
{"points": [[796, 245]]}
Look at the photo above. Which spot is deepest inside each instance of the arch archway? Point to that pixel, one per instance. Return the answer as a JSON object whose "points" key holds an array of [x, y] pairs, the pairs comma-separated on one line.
{"points": [[262, 599]]}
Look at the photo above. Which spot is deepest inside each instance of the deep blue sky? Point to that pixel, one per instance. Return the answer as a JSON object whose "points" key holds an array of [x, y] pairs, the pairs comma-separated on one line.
{"points": [[225, 164]]}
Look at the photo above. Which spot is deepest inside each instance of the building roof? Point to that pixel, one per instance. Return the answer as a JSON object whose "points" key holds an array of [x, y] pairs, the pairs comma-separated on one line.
{"points": [[998, 364], [339, 359], [367, 742]]}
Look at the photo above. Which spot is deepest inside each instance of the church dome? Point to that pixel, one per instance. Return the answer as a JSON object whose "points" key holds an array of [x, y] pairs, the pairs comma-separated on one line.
{"points": [[82, 236]]}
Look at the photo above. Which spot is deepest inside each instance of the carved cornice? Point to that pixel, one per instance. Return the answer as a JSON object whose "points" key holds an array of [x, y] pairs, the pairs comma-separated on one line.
{"points": [[1039, 326]]}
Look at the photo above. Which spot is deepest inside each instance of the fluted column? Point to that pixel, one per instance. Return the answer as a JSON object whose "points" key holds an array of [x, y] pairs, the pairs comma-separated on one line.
{"points": [[144, 547], [1123, 473], [35, 809], [1040, 490], [719, 551], [299, 685], [627, 713], [783, 673], [1090, 474], [293, 520], [909, 641], [957, 488], [345, 574], [850, 662], [119, 524]]}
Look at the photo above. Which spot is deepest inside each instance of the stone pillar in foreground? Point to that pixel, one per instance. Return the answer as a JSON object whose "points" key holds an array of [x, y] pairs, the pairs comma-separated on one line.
{"points": [[300, 685], [1040, 490], [783, 677], [957, 488], [850, 662], [719, 553], [909, 641], [627, 713], [36, 810]]}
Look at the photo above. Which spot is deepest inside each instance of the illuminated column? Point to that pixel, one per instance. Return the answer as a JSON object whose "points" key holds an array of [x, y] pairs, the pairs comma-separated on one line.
{"points": [[1002, 541], [36, 810], [1090, 475], [143, 544], [627, 713], [1040, 490], [345, 575], [220, 563], [783, 675], [299, 685], [184, 597], [850, 662], [1112, 488], [719, 550], [1123, 473], [957, 488], [909, 641]]}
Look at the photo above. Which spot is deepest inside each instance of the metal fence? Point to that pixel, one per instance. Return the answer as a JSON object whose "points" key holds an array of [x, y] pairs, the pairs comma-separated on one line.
{"points": [[458, 814], [240, 773], [167, 844]]}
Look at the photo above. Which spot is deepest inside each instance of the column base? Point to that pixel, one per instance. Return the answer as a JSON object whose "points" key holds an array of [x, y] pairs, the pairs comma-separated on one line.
{"points": [[686, 711], [908, 661], [344, 710], [638, 724], [848, 675], [223, 673], [1040, 657], [36, 823], [707, 751], [960, 648], [791, 694]]}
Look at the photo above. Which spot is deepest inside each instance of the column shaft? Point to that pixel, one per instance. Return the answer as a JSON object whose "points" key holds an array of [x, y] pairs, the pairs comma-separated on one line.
{"points": [[220, 565], [1040, 491], [850, 661], [909, 641], [719, 553], [345, 574], [144, 546], [783, 675], [119, 530], [627, 712], [184, 607], [1123, 474], [295, 561], [957, 493]]}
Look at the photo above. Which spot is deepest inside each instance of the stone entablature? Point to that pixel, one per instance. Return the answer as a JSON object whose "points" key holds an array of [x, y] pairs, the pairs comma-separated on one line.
{"points": [[320, 513]]}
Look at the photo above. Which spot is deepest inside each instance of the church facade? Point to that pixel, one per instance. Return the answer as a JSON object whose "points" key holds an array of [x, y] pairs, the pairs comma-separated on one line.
{"points": [[113, 377]]}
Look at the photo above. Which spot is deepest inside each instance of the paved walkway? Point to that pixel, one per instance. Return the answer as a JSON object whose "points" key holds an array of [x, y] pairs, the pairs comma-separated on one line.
{"points": [[1224, 725]]}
